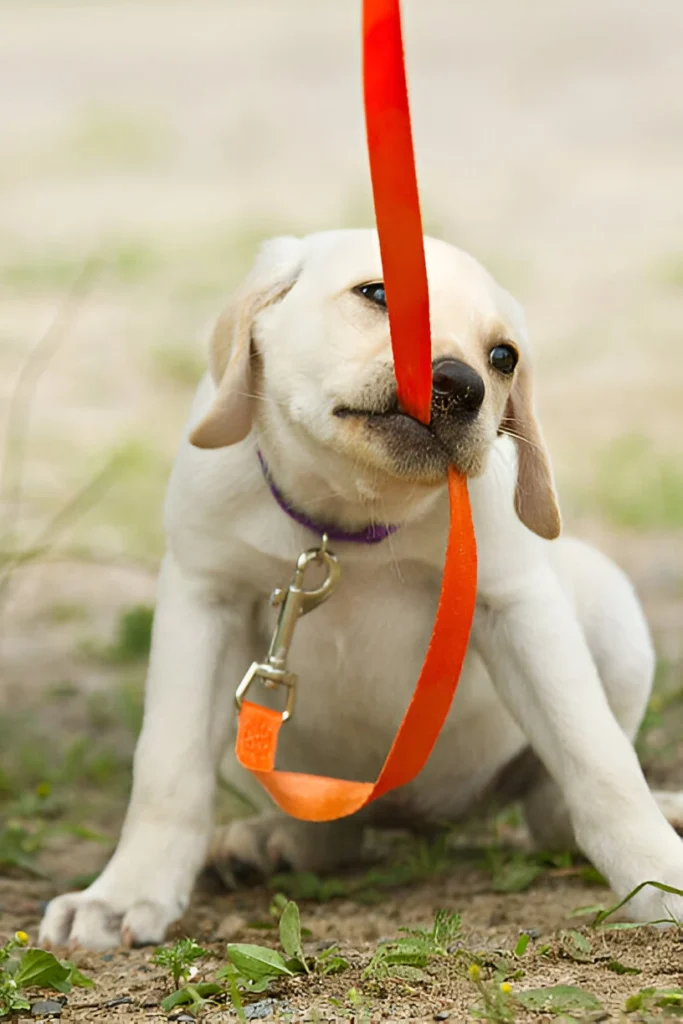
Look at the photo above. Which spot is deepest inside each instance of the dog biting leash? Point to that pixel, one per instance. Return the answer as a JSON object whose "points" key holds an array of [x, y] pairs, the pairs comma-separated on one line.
{"points": [[399, 225]]}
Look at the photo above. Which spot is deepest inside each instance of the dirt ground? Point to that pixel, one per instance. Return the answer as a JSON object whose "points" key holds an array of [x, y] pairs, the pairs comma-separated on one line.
{"points": [[491, 923], [164, 141]]}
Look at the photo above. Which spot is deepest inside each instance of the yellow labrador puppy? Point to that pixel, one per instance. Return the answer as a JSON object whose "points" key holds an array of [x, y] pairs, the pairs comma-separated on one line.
{"points": [[302, 434]]}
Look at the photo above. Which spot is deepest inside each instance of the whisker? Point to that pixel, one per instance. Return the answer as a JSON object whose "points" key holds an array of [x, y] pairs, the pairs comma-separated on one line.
{"points": [[518, 437], [260, 397]]}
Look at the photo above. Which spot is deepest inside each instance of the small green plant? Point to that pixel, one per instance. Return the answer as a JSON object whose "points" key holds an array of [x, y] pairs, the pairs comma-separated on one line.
{"points": [[414, 862], [304, 885], [602, 915], [359, 1005], [134, 634], [511, 872], [194, 996], [618, 968], [23, 968], [558, 999], [504, 966], [356, 1003], [496, 1000], [406, 956], [250, 969], [576, 946], [516, 871], [656, 998], [19, 847], [254, 967], [179, 959]]}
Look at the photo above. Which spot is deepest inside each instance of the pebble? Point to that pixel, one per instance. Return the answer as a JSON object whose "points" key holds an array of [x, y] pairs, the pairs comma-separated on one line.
{"points": [[230, 927], [119, 1002], [47, 1008], [263, 1008], [185, 1017], [320, 945], [444, 1015]]}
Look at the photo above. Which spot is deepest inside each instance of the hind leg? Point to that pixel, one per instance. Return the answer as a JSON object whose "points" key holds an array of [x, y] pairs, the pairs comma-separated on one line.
{"points": [[252, 848], [619, 641]]}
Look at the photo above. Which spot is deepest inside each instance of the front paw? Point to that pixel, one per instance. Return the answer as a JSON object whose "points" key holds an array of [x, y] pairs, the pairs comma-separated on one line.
{"points": [[84, 919]]}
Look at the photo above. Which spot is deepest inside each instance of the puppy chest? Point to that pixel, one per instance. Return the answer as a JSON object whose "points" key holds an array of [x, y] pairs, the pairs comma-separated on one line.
{"points": [[358, 658]]}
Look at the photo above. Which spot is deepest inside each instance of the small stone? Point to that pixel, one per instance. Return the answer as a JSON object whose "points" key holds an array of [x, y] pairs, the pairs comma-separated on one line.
{"points": [[444, 1015], [186, 1018], [321, 945], [119, 1002], [533, 933], [230, 927], [47, 1008], [263, 1008]]}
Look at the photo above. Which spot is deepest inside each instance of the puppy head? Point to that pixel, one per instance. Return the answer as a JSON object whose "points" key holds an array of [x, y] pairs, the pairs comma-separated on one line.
{"points": [[303, 353]]}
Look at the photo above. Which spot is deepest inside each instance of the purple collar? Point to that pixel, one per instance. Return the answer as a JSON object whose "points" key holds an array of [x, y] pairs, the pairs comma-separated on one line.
{"points": [[370, 535]]}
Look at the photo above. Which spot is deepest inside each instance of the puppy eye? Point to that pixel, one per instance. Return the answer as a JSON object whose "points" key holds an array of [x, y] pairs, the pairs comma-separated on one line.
{"points": [[374, 292], [503, 358]]}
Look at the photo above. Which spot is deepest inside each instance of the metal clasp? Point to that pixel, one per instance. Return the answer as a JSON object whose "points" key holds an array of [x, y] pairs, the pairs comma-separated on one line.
{"points": [[294, 602]]}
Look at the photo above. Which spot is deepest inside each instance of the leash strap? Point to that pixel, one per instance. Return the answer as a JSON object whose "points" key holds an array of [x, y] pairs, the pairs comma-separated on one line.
{"points": [[397, 204], [317, 798], [397, 209]]}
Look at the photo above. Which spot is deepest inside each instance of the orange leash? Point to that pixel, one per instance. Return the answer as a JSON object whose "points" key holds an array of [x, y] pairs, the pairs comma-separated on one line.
{"points": [[397, 209], [397, 204], [317, 798]]}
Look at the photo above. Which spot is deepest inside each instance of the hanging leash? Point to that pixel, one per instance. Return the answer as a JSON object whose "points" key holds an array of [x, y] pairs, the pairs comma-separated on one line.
{"points": [[399, 225]]}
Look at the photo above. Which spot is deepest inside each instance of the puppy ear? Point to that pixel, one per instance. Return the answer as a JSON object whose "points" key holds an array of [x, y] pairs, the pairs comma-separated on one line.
{"points": [[535, 496], [229, 419]]}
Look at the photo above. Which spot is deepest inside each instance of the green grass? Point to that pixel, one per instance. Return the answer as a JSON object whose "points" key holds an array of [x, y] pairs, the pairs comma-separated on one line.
{"points": [[124, 261], [134, 634], [130, 512], [636, 486], [179, 363], [658, 739], [65, 767]]}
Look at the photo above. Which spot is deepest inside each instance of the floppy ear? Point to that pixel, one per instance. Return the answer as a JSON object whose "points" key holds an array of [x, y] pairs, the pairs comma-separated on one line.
{"points": [[229, 418], [535, 496]]}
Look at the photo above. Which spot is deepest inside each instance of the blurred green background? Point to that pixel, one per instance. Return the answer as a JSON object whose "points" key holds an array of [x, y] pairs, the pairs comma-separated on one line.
{"points": [[145, 150]]}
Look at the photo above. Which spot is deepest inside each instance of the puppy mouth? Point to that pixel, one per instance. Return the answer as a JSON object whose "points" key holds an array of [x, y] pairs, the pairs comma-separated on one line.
{"points": [[414, 449], [391, 417]]}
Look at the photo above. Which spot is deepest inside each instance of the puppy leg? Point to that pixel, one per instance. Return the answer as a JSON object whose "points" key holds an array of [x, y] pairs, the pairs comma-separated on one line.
{"points": [[270, 842], [619, 641], [536, 653], [148, 882]]}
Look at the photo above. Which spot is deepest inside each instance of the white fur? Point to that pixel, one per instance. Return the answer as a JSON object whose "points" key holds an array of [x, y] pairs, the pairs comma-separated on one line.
{"points": [[560, 656]]}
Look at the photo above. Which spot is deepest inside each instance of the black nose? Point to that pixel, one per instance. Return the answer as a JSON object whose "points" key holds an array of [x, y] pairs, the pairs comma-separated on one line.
{"points": [[457, 389]]}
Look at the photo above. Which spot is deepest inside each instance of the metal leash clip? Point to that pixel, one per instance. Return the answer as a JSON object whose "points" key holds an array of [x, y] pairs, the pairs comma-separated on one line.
{"points": [[294, 602]]}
